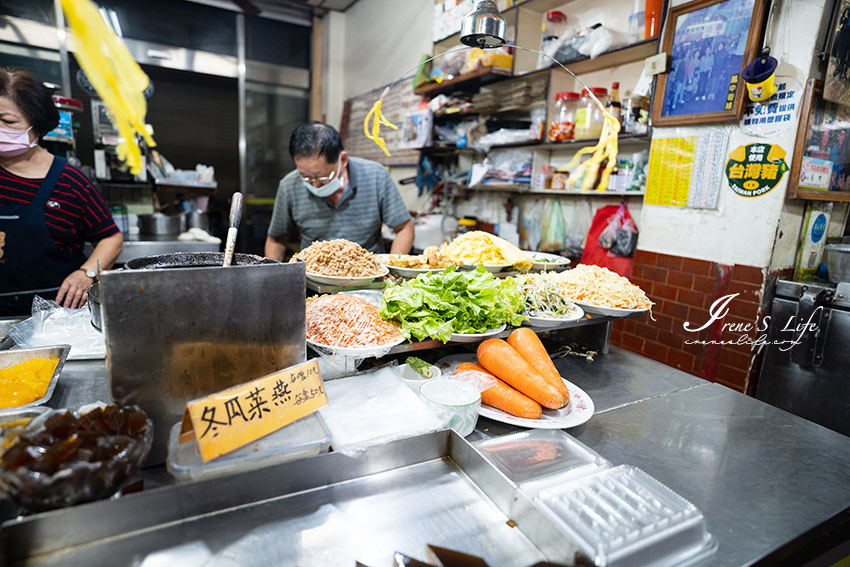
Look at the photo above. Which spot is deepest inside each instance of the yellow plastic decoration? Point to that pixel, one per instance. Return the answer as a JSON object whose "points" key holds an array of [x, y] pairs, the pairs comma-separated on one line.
{"points": [[116, 77], [378, 118], [605, 148]]}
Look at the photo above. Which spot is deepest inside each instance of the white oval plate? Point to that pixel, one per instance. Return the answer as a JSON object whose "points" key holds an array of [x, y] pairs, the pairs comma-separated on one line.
{"points": [[360, 352], [345, 280], [471, 338], [384, 259], [556, 260], [610, 311], [492, 268], [578, 411], [546, 322]]}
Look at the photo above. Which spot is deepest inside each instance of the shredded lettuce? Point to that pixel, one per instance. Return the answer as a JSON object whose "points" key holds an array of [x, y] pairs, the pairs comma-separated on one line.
{"points": [[437, 304]]}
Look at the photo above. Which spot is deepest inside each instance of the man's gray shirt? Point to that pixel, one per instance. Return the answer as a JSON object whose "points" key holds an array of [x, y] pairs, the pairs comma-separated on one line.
{"points": [[370, 199]]}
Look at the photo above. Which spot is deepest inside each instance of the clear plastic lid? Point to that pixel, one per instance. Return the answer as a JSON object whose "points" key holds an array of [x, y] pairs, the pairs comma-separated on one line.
{"points": [[538, 457], [300, 439], [623, 517]]}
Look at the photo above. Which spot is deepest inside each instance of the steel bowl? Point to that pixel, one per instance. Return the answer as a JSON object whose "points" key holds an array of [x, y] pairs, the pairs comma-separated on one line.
{"points": [[193, 260], [159, 224], [838, 262], [93, 302]]}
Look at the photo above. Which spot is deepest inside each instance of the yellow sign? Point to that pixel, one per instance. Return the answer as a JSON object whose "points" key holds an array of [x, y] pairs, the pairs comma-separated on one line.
{"points": [[239, 415], [671, 161]]}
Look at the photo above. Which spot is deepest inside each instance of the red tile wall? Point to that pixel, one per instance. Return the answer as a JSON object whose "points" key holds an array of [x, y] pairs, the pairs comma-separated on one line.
{"points": [[684, 290]]}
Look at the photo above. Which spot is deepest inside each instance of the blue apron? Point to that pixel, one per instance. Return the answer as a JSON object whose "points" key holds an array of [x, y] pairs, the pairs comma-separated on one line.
{"points": [[30, 262]]}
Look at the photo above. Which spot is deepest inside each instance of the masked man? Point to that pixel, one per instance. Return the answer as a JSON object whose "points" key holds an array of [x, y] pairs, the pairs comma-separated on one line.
{"points": [[331, 195]]}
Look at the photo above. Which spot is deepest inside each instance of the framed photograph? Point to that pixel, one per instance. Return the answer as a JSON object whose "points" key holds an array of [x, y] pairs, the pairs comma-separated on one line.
{"points": [[709, 43], [820, 169], [837, 83]]}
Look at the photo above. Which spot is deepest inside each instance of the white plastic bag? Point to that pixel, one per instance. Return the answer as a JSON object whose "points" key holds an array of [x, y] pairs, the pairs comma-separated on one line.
{"points": [[52, 324]]}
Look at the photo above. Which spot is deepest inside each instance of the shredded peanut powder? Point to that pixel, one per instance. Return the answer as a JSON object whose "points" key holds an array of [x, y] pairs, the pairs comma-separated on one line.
{"points": [[339, 257]]}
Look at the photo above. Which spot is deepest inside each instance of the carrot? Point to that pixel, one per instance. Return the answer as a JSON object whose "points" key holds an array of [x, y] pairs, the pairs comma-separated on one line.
{"points": [[500, 358], [503, 397], [528, 345]]}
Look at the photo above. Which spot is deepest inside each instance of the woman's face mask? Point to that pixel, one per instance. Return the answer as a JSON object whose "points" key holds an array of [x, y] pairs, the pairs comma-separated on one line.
{"points": [[331, 185], [15, 142]]}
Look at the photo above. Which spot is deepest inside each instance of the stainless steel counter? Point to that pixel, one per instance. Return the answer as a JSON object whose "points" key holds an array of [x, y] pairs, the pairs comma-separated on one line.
{"points": [[762, 476], [765, 479]]}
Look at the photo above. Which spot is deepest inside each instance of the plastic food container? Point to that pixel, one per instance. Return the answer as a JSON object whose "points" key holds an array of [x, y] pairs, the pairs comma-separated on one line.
{"points": [[623, 517], [540, 458], [589, 118], [307, 437], [457, 403], [63, 459], [414, 379], [12, 357]]}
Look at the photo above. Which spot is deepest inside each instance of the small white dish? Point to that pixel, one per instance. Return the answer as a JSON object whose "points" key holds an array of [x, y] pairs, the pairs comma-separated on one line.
{"points": [[610, 311], [473, 337], [546, 261], [346, 280], [545, 322], [414, 379]]}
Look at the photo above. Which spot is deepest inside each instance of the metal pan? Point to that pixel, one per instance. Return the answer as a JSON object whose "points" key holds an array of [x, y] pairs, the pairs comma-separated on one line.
{"points": [[16, 414], [93, 302], [193, 260], [11, 357]]}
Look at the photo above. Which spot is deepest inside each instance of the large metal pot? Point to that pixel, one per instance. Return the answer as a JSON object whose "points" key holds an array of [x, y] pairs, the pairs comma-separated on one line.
{"points": [[159, 224], [194, 260], [838, 262], [197, 219], [93, 301]]}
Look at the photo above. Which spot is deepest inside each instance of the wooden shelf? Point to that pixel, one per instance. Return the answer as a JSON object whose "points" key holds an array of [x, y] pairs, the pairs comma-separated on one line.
{"points": [[525, 189], [628, 54], [471, 80], [569, 144]]}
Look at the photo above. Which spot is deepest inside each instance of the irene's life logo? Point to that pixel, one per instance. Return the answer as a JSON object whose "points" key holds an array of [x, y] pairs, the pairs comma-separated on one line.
{"points": [[720, 308]]}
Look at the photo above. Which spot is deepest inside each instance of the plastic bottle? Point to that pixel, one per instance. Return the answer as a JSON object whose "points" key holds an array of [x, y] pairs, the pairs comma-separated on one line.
{"points": [[564, 120], [589, 119], [637, 22], [614, 107]]}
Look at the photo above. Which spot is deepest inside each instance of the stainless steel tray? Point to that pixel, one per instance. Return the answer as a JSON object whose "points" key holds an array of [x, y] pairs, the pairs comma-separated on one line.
{"points": [[327, 510], [14, 414], [12, 357]]}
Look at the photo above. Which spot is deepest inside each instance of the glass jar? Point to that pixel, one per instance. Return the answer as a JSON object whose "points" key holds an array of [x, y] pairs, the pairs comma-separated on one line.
{"points": [[589, 118], [564, 117]]}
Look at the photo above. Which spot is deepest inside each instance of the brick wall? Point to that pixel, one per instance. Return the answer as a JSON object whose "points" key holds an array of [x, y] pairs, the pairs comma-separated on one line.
{"points": [[684, 290]]}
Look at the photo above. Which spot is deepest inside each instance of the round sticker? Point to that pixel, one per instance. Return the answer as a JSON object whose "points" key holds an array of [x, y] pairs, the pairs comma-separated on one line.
{"points": [[819, 228], [755, 169]]}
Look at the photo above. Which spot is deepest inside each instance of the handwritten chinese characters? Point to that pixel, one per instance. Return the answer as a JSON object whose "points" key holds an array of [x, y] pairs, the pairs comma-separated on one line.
{"points": [[234, 417]]}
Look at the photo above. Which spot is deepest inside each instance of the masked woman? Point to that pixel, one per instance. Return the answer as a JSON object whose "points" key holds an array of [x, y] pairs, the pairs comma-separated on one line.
{"points": [[48, 208]]}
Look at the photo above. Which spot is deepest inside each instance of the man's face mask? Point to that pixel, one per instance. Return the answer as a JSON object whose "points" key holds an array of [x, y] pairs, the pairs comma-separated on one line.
{"points": [[327, 185]]}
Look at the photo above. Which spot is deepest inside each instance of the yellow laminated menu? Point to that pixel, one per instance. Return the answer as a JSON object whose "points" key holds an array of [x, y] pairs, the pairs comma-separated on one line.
{"points": [[26, 381], [229, 419]]}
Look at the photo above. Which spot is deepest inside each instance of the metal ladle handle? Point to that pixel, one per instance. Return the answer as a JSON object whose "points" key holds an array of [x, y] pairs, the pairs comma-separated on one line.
{"points": [[235, 217]]}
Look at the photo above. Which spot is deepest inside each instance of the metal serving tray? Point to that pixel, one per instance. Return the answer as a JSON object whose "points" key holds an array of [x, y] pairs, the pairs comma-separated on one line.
{"points": [[327, 510], [11, 357]]}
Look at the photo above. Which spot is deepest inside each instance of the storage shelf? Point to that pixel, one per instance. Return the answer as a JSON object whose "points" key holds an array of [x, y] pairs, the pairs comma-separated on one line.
{"points": [[527, 190], [474, 79], [622, 139], [628, 54]]}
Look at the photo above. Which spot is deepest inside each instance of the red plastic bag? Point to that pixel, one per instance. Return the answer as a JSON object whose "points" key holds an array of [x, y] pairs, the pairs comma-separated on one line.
{"points": [[595, 253]]}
